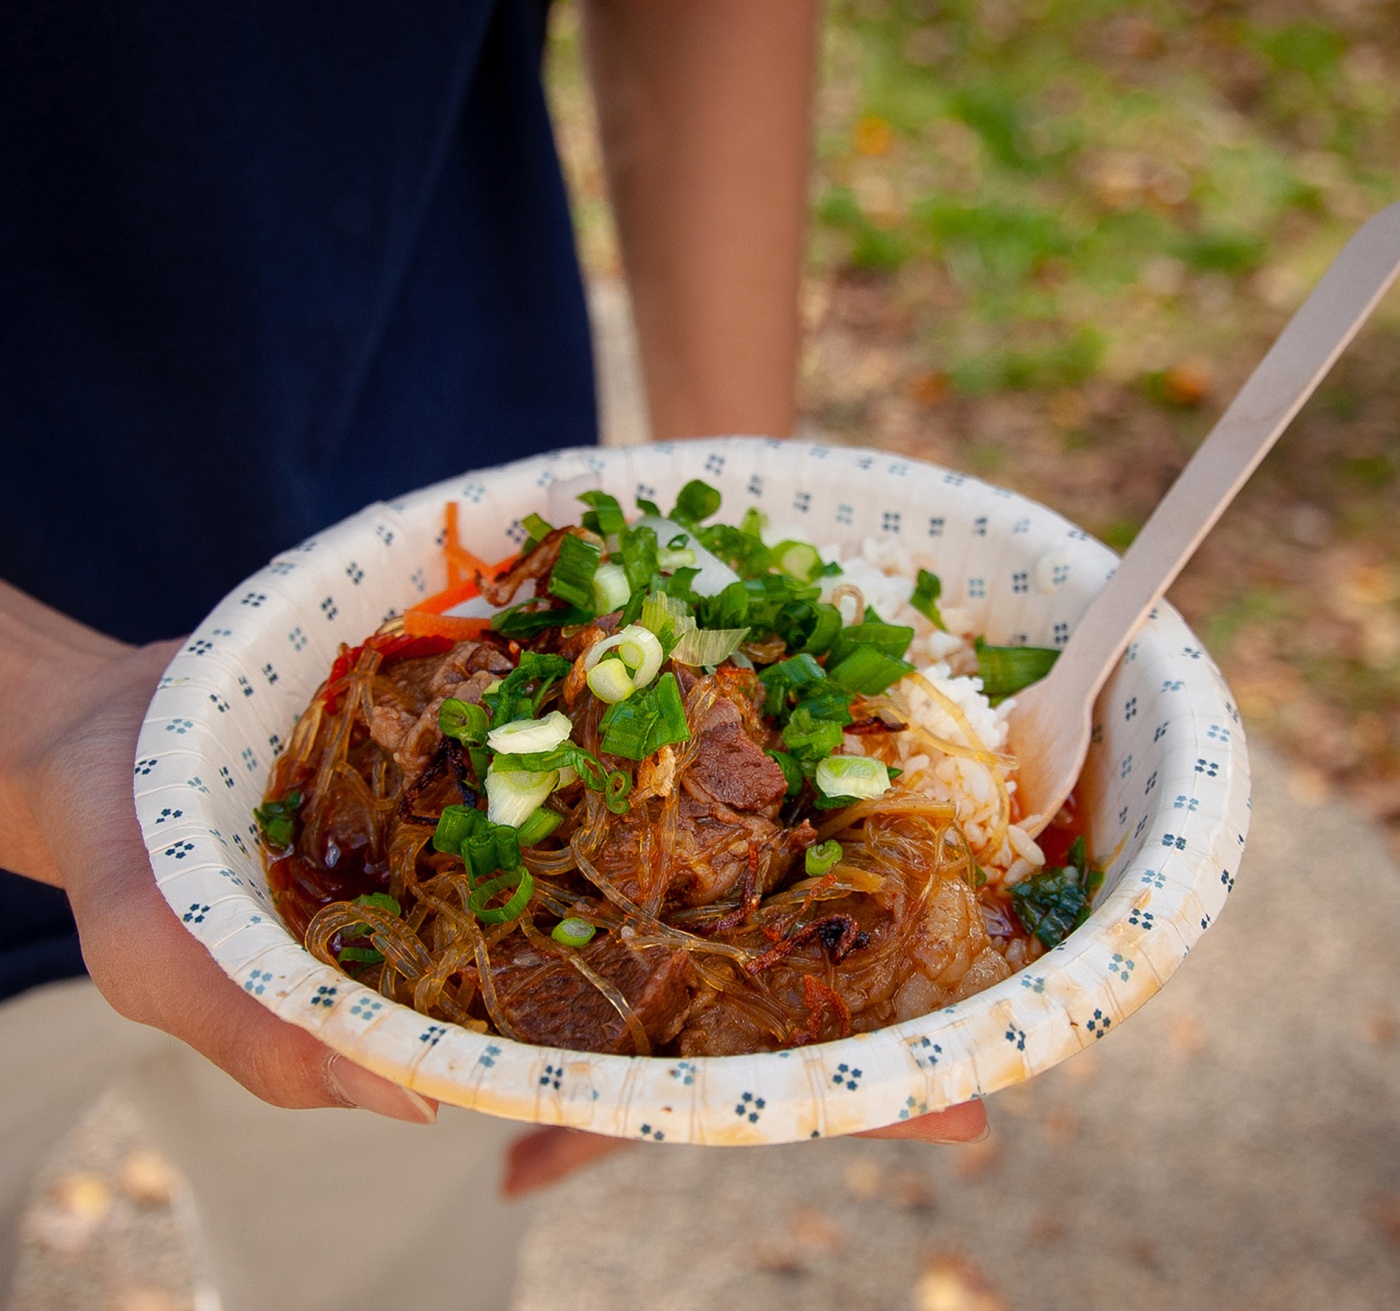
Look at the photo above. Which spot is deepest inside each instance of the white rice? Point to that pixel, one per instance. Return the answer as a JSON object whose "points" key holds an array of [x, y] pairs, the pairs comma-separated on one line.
{"points": [[884, 573]]}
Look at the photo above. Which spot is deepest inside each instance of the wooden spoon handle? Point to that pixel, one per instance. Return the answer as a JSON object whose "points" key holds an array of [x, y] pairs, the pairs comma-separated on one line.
{"points": [[1284, 379]]}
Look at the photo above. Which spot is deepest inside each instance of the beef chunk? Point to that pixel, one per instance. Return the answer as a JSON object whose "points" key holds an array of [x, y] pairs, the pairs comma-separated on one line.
{"points": [[731, 767], [555, 1006]]}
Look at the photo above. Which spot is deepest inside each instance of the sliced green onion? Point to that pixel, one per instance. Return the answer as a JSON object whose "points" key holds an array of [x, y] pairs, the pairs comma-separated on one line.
{"points": [[868, 671], [669, 561], [462, 720], [520, 880], [573, 932], [489, 848], [571, 579], [889, 639], [521, 693], [707, 646], [1006, 670], [605, 517], [454, 825], [637, 647], [609, 681], [754, 522], [637, 547], [809, 627], [798, 560], [277, 819], [697, 501], [631, 612], [537, 528], [862, 777], [927, 590], [809, 738], [822, 859], [521, 735], [610, 588], [514, 795], [636, 728], [743, 552], [569, 756], [792, 771], [520, 621], [785, 677], [826, 700], [667, 616]]}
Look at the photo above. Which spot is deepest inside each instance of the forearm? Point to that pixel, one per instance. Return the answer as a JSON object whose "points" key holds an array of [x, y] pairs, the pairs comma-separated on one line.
{"points": [[44, 658], [705, 108]]}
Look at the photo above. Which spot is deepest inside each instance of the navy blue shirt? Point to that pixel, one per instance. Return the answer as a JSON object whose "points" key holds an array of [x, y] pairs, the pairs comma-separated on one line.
{"points": [[260, 264]]}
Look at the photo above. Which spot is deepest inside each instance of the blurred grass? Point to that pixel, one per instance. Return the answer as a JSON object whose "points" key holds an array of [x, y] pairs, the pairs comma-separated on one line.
{"points": [[1050, 240]]}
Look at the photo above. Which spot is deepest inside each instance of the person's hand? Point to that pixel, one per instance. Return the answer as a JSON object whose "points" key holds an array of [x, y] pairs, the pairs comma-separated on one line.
{"points": [[73, 702], [73, 706], [544, 1156]]}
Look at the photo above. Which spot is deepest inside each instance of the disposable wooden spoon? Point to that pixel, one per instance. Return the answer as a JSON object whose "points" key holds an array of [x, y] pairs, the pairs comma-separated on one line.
{"points": [[1050, 722]]}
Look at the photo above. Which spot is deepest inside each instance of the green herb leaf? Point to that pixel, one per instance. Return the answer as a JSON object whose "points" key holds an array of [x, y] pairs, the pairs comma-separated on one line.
{"points": [[1006, 670], [380, 901], [277, 819], [1055, 902], [649, 507], [360, 956]]}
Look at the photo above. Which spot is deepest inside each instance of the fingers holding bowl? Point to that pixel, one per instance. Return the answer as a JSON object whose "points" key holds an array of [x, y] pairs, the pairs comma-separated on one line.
{"points": [[964, 1123]]}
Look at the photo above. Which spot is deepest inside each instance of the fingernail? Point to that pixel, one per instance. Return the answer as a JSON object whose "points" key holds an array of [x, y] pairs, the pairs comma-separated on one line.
{"points": [[356, 1086]]}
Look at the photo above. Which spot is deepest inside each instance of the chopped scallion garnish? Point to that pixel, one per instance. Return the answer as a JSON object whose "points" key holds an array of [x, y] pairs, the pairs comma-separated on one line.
{"points": [[1006, 670], [479, 901], [277, 819], [927, 590], [571, 579], [573, 932], [605, 516], [822, 859], [862, 777]]}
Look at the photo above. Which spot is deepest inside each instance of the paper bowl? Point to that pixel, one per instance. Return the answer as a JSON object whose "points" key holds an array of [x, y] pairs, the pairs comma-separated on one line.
{"points": [[1167, 787]]}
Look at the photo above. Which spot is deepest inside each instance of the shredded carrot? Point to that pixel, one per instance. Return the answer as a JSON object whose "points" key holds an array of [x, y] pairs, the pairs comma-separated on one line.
{"points": [[422, 623], [446, 599], [462, 566]]}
